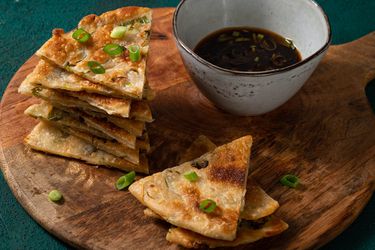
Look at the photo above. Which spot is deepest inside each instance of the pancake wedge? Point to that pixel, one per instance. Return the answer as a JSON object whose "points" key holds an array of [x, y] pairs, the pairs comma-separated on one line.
{"points": [[248, 232], [119, 72], [132, 126], [142, 142], [258, 204], [111, 105], [47, 138], [109, 146], [141, 111], [222, 176], [46, 112], [111, 130], [66, 118], [53, 77]]}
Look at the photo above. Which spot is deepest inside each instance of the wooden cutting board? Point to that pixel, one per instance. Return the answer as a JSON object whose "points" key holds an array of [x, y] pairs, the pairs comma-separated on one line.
{"points": [[325, 135]]}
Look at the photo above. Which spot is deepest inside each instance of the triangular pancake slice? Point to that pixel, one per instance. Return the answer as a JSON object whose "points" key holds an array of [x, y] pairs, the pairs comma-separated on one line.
{"points": [[222, 176], [63, 121], [134, 127], [109, 146], [120, 73], [47, 112], [80, 120], [47, 138], [142, 141], [141, 111], [248, 232], [53, 77], [258, 204], [111, 105]]}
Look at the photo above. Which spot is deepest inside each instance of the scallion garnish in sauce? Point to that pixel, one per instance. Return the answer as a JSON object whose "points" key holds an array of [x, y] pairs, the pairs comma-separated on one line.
{"points": [[96, 67], [134, 53], [290, 180], [113, 49], [81, 35], [248, 49], [207, 206]]}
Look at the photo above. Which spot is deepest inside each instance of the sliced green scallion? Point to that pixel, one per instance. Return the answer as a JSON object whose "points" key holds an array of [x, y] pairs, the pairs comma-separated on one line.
{"points": [[54, 195], [290, 180], [125, 180], [191, 176], [81, 35], [118, 32], [207, 206], [260, 37], [143, 19], [134, 53], [290, 43], [242, 39], [113, 49], [256, 59], [96, 67], [236, 33]]}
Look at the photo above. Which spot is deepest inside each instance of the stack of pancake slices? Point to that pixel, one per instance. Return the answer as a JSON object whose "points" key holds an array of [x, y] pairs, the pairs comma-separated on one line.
{"points": [[94, 92], [209, 199]]}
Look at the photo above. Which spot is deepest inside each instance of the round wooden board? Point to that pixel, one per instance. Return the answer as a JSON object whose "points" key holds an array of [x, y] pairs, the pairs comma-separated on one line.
{"points": [[325, 135]]}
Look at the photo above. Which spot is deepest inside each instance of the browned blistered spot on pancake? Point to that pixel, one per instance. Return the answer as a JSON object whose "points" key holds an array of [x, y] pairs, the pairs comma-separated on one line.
{"points": [[192, 193], [55, 47], [228, 174], [57, 32], [43, 68]]}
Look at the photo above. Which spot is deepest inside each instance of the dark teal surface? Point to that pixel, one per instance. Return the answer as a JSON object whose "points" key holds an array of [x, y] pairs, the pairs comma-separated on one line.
{"points": [[25, 25]]}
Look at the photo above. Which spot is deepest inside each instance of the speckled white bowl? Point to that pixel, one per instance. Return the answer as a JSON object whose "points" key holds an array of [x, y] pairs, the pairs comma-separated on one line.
{"points": [[251, 93]]}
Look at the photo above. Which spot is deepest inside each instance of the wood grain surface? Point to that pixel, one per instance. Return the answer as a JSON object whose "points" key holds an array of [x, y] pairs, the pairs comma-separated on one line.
{"points": [[325, 135]]}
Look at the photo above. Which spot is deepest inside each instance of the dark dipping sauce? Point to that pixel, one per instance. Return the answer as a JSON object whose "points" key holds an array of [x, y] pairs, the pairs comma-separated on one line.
{"points": [[248, 49]]}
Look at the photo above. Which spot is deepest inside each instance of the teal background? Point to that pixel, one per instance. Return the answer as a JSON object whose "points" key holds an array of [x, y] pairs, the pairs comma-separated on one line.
{"points": [[25, 25]]}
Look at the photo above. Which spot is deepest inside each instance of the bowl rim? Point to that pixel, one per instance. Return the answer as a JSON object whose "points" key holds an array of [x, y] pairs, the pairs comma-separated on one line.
{"points": [[254, 73]]}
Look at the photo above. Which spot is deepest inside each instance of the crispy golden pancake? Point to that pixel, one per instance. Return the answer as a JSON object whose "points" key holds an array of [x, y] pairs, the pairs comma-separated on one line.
{"points": [[142, 141], [74, 119], [141, 111], [222, 178], [132, 126], [50, 76], [121, 73], [258, 204], [111, 130], [53, 77], [111, 105], [109, 146], [47, 112], [248, 232], [47, 138]]}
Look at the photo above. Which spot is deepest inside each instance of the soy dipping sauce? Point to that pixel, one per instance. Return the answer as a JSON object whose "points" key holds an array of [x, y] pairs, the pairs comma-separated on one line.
{"points": [[248, 49]]}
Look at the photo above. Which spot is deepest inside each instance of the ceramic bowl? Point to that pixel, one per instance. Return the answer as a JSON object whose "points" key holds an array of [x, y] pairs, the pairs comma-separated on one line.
{"points": [[251, 93]]}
